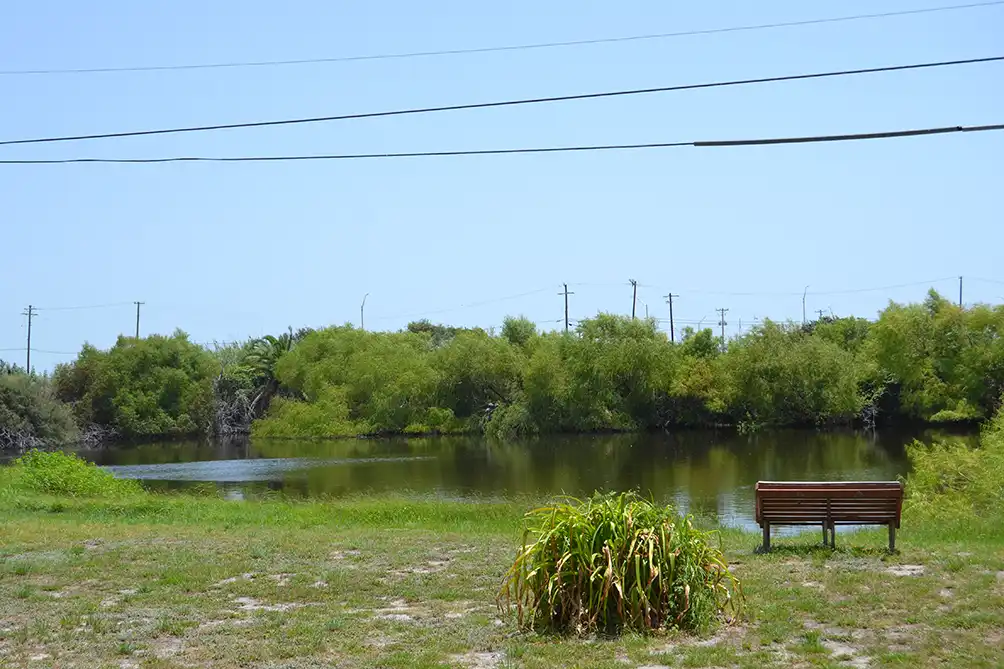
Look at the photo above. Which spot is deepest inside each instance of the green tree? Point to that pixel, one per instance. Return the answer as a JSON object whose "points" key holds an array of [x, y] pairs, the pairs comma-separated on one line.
{"points": [[31, 414], [155, 386], [518, 331]]}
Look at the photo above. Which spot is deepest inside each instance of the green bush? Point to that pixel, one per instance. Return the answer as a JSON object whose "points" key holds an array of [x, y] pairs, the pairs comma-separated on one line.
{"points": [[30, 411], [617, 562], [62, 474], [954, 482], [155, 386]]}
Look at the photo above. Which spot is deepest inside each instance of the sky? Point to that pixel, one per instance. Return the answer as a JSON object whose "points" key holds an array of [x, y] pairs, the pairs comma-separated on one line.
{"points": [[229, 251]]}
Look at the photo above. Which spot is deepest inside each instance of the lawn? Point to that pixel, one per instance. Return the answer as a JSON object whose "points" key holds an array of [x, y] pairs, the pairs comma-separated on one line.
{"points": [[164, 581]]}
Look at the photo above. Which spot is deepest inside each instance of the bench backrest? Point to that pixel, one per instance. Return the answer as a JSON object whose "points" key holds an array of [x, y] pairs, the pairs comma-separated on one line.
{"points": [[809, 502]]}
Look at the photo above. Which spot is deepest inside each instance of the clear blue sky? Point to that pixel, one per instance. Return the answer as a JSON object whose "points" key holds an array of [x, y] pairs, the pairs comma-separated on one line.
{"points": [[226, 251]]}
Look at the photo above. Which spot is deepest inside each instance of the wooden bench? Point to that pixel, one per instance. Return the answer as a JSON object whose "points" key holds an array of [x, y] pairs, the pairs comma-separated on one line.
{"points": [[829, 504]]}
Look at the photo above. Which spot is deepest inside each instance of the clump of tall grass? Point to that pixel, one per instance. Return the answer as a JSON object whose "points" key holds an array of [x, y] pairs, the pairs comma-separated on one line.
{"points": [[616, 562], [63, 474], [955, 482]]}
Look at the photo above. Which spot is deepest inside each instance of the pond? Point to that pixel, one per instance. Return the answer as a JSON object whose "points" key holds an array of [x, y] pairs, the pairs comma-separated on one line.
{"points": [[707, 472]]}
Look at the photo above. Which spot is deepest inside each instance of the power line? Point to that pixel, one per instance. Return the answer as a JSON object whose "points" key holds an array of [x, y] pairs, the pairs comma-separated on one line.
{"points": [[814, 292], [549, 149], [462, 307], [491, 49], [509, 103], [86, 306]]}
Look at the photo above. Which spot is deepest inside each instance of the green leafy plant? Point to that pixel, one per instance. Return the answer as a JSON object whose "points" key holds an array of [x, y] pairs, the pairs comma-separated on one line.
{"points": [[59, 473], [616, 562], [952, 482]]}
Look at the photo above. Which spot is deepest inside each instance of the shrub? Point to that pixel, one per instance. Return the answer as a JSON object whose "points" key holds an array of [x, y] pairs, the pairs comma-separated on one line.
{"points": [[615, 562], [30, 413], [62, 474], [952, 481], [155, 386]]}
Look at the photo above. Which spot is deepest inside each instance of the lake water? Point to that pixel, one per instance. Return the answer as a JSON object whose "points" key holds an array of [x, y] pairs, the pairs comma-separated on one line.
{"points": [[712, 473]]}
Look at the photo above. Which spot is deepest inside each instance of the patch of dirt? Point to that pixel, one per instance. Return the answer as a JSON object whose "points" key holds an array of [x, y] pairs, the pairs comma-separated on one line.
{"points": [[1000, 576], [166, 648], [479, 660], [399, 610], [814, 584], [282, 580], [946, 593], [846, 654], [234, 579], [251, 604], [902, 638], [319, 584], [379, 641], [906, 570], [341, 555], [430, 567], [233, 622]]}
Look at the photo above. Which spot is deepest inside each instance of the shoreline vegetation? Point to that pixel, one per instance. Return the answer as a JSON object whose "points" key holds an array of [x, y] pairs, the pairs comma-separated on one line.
{"points": [[926, 363], [98, 571]]}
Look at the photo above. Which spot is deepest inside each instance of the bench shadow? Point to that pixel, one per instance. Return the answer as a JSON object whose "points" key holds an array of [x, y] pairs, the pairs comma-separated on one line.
{"points": [[819, 550]]}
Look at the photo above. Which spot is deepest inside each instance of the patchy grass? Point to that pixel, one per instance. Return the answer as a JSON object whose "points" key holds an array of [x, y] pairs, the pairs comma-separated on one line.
{"points": [[171, 581]]}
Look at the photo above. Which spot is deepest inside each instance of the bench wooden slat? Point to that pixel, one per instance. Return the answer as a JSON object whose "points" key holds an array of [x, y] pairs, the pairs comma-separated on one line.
{"points": [[829, 503]]}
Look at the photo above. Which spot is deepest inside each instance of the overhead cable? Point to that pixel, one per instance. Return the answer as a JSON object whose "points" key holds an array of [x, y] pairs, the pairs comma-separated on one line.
{"points": [[507, 103], [549, 149], [491, 49]]}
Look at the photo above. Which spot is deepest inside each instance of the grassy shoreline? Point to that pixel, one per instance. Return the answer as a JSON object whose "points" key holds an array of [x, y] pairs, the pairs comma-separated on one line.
{"points": [[165, 581]]}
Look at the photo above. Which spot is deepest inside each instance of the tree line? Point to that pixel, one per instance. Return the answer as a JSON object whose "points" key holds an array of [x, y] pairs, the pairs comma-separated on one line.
{"points": [[926, 362]]}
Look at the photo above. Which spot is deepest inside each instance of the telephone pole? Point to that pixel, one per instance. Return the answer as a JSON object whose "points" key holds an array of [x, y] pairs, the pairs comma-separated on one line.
{"points": [[960, 291], [566, 294], [634, 296], [362, 313], [30, 312], [722, 322], [672, 330], [820, 312], [138, 305]]}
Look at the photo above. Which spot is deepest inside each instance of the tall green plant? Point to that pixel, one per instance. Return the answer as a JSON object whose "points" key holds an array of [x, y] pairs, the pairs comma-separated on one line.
{"points": [[616, 562]]}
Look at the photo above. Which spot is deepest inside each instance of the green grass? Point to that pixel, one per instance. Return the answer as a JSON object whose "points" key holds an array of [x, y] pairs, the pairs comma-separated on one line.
{"points": [[173, 581]]}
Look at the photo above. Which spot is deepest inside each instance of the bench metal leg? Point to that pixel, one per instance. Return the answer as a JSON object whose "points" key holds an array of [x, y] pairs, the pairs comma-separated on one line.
{"points": [[892, 537], [825, 538], [766, 537], [833, 536]]}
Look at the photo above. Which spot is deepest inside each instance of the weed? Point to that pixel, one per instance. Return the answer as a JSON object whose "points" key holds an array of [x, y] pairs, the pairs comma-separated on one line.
{"points": [[617, 561], [58, 473]]}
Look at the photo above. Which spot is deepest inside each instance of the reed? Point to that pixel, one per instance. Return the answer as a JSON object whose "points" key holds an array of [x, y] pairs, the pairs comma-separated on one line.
{"points": [[615, 562]]}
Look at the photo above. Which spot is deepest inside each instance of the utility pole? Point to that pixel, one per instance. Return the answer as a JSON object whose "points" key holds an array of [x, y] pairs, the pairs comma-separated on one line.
{"points": [[566, 294], [30, 312], [960, 291], [634, 296], [803, 304], [362, 313], [820, 312], [672, 330], [722, 322], [138, 304]]}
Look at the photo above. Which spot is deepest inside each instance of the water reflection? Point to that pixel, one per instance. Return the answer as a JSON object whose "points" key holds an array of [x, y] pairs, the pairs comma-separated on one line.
{"points": [[708, 472]]}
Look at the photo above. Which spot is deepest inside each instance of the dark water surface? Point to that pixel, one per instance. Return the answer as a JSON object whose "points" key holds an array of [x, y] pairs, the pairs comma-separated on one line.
{"points": [[708, 472]]}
